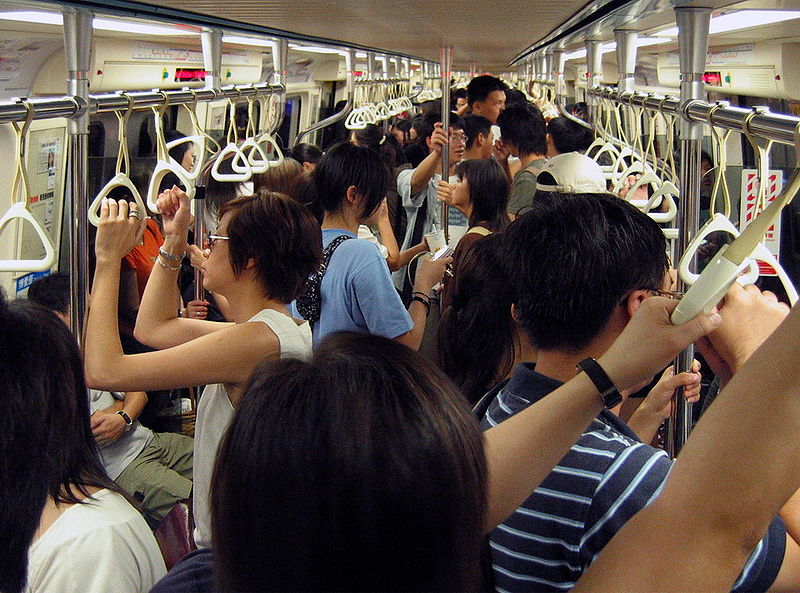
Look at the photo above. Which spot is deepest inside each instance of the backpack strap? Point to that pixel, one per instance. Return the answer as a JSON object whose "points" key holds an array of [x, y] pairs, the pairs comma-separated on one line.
{"points": [[479, 230], [309, 301]]}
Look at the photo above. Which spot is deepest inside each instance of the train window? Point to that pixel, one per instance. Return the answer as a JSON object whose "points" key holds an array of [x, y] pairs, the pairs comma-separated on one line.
{"points": [[291, 121], [97, 139]]}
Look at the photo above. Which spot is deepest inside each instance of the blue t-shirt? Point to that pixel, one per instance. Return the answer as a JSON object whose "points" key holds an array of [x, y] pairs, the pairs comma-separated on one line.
{"points": [[357, 292]]}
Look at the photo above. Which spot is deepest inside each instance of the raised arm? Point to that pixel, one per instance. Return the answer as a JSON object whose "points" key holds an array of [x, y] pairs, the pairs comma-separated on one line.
{"points": [[429, 273], [225, 356], [158, 324], [522, 450], [732, 477], [431, 164], [396, 258]]}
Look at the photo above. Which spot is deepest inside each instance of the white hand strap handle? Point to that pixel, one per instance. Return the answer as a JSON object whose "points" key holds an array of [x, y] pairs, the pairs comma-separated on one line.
{"points": [[664, 195], [749, 269], [258, 160], [164, 165], [121, 178], [242, 171], [267, 144], [19, 209]]}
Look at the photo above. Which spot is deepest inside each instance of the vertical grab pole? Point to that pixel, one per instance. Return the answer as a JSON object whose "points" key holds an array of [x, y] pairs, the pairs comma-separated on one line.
{"points": [[693, 24], [446, 65], [212, 60], [78, 51], [626, 59], [594, 76]]}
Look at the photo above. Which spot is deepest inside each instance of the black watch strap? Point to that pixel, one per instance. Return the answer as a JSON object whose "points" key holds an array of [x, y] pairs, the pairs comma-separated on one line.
{"points": [[126, 418], [608, 391]]}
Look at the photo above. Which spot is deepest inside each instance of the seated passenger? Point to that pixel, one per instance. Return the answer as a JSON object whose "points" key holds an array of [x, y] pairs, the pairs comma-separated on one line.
{"points": [[523, 136], [418, 190], [263, 250], [583, 264], [565, 135], [481, 194], [480, 138], [426, 514], [66, 526], [353, 290], [153, 468]]}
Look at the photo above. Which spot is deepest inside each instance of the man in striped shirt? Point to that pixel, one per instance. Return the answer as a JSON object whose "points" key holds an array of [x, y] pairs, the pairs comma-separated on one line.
{"points": [[581, 265]]}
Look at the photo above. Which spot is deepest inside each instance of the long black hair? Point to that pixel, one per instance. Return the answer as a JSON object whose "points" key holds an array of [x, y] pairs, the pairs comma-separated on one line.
{"points": [[361, 470], [477, 340], [46, 444], [488, 191]]}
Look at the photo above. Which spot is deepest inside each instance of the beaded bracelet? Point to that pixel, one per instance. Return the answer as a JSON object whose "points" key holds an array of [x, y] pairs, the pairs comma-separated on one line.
{"points": [[167, 266]]}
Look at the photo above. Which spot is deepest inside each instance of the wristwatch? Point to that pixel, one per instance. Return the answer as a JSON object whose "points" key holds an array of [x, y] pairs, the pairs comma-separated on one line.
{"points": [[127, 419], [608, 391]]}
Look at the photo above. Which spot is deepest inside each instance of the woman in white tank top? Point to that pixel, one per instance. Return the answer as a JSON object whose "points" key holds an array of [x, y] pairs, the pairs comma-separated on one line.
{"points": [[258, 258]]}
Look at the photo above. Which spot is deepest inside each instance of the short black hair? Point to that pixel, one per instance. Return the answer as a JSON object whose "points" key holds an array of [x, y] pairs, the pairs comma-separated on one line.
{"points": [[306, 153], [347, 165], [480, 87], [573, 258], [515, 97], [569, 136], [474, 125], [51, 292], [524, 127]]}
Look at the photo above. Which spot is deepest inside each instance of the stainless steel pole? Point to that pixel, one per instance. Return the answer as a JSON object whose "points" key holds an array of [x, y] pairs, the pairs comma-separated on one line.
{"points": [[594, 76], [350, 60], [78, 50], [626, 60], [693, 24], [280, 61], [212, 59], [446, 66], [558, 77]]}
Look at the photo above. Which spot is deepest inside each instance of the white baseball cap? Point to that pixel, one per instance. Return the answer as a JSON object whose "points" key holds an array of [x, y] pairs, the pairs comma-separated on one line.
{"points": [[574, 173]]}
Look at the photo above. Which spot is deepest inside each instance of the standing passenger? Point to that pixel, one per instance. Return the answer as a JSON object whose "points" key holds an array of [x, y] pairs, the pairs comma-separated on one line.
{"points": [[354, 292], [480, 138], [262, 251], [486, 96]]}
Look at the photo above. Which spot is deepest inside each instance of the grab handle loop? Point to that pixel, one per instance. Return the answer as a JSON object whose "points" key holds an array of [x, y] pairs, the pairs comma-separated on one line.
{"points": [[19, 210], [242, 171], [164, 163]]}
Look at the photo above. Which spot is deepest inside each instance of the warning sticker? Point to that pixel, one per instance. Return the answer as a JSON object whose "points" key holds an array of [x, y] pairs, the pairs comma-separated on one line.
{"points": [[749, 209]]}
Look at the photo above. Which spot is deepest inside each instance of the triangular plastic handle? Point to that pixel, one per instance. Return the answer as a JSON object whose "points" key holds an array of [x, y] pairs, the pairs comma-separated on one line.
{"points": [[242, 171], [199, 153], [163, 168], [717, 223], [18, 211], [272, 144], [665, 193], [119, 180], [259, 161]]}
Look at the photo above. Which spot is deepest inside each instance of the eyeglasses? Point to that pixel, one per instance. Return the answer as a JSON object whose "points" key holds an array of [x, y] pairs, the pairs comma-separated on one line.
{"points": [[670, 294], [212, 238], [459, 139]]}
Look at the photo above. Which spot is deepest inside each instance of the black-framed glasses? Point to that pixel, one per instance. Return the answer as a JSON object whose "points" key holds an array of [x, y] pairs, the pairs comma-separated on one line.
{"points": [[211, 238]]}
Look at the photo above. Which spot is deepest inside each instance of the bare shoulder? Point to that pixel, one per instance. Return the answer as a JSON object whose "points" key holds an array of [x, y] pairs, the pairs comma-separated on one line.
{"points": [[254, 338]]}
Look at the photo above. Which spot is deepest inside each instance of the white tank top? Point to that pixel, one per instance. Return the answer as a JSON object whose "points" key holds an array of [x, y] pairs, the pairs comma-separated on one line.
{"points": [[215, 413]]}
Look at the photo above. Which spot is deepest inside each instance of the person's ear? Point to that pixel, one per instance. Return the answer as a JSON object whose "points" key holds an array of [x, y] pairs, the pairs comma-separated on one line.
{"points": [[353, 196], [515, 314], [635, 299]]}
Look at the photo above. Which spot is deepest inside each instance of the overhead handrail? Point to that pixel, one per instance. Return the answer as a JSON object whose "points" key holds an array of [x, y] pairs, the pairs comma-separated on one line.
{"points": [[349, 58], [242, 171], [123, 167], [720, 148], [20, 207], [165, 164], [724, 267]]}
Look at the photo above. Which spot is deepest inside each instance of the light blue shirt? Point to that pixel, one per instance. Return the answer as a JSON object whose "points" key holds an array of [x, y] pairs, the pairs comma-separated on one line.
{"points": [[357, 292]]}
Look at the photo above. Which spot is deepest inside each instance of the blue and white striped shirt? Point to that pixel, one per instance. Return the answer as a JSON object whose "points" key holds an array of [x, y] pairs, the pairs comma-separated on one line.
{"points": [[605, 479]]}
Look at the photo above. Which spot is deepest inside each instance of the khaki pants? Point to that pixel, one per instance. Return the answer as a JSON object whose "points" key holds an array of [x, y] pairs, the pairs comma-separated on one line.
{"points": [[160, 476]]}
